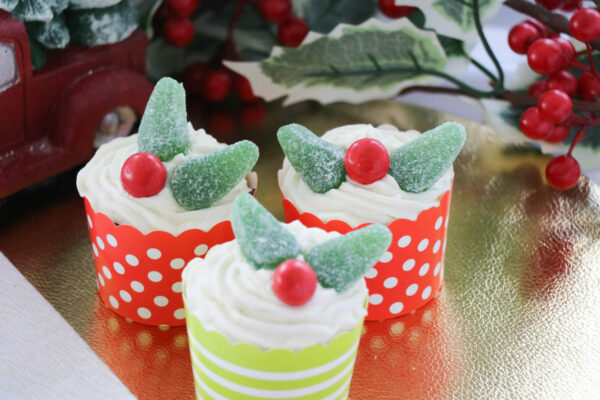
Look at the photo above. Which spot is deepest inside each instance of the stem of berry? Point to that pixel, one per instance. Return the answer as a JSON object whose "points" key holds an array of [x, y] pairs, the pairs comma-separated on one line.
{"points": [[576, 120], [588, 49], [580, 135], [499, 86], [578, 64]]}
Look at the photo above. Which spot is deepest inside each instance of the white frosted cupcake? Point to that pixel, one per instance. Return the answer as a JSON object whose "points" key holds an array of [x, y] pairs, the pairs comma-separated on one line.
{"points": [[157, 199], [359, 174], [277, 313]]}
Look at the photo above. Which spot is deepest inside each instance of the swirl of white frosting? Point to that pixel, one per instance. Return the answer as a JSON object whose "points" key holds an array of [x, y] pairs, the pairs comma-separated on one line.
{"points": [[231, 297], [100, 182], [379, 202]]}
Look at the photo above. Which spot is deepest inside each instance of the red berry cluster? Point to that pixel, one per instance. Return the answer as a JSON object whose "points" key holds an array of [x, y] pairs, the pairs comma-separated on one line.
{"points": [[216, 84], [178, 28], [549, 54], [391, 10], [291, 29]]}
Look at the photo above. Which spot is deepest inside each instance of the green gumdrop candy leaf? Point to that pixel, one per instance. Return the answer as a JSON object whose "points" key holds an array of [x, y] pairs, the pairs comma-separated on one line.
{"points": [[318, 162], [340, 262], [201, 181], [163, 130], [419, 164], [263, 240]]}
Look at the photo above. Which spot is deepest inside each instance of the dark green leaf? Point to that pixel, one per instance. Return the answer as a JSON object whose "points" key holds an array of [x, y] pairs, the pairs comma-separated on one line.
{"points": [[324, 15], [93, 27]]}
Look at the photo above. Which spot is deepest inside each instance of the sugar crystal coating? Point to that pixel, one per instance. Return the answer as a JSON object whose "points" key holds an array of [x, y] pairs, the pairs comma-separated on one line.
{"points": [[342, 261], [419, 164], [263, 240], [318, 162], [163, 130], [201, 181]]}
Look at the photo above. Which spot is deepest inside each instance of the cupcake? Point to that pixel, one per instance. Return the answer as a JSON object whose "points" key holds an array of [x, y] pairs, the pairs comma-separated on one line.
{"points": [[278, 312], [155, 200], [356, 175]]}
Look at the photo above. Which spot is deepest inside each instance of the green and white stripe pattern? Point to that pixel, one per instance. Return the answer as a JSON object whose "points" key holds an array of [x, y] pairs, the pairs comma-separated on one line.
{"points": [[241, 371]]}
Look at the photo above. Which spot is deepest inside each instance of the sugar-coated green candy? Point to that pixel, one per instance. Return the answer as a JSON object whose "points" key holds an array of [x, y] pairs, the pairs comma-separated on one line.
{"points": [[163, 130], [318, 162], [264, 241], [340, 262], [201, 181], [419, 164]]}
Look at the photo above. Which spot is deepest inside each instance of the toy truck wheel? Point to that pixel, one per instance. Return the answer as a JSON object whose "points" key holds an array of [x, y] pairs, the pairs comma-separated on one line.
{"points": [[118, 122]]}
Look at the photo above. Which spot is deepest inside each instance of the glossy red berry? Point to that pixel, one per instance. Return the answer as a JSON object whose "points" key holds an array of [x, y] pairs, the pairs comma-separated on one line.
{"points": [[545, 56], [179, 32], [555, 106], [562, 80], [537, 89], [567, 48], [221, 124], [243, 88], [143, 175], [539, 25], [294, 282], [217, 84], [292, 31], [588, 87], [550, 4], [183, 8], [585, 24], [533, 125], [253, 115], [521, 36], [391, 10], [558, 134], [367, 161], [570, 5], [193, 80], [563, 172], [275, 11]]}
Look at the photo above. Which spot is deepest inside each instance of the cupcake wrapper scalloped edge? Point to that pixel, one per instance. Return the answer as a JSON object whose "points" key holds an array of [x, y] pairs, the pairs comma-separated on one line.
{"points": [[410, 273], [223, 370]]}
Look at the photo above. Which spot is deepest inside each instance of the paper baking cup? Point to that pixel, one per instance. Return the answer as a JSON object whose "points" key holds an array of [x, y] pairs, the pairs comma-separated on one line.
{"points": [[241, 371], [139, 275], [410, 273]]}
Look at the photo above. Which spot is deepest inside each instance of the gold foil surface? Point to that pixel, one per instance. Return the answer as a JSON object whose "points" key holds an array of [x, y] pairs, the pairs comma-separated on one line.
{"points": [[518, 316]]}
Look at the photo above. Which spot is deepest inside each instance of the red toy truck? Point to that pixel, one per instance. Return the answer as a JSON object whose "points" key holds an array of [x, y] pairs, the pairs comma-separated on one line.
{"points": [[51, 119]]}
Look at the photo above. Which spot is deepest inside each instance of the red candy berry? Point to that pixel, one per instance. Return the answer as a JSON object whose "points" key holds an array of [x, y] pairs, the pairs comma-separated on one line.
{"points": [[217, 85], [555, 106], [537, 89], [562, 80], [275, 11], [292, 31], [566, 47], [558, 134], [143, 175], [550, 4], [294, 282], [179, 31], [391, 10], [585, 25], [521, 36], [545, 56], [367, 161], [533, 125], [563, 172], [243, 88], [183, 8], [570, 5], [589, 87], [539, 25]]}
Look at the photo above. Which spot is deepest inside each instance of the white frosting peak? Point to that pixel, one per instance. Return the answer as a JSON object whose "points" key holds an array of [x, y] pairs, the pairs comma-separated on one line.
{"points": [[100, 182], [379, 202], [231, 297]]}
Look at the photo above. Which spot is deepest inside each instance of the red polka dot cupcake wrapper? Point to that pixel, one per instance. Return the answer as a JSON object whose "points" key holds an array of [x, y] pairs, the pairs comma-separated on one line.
{"points": [[409, 274], [139, 276]]}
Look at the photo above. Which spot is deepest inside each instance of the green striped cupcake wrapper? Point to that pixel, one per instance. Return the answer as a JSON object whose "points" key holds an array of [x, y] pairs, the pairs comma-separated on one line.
{"points": [[241, 371]]}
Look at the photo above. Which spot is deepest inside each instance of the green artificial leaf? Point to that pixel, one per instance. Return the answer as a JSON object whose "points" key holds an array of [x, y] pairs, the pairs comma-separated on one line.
{"points": [[341, 262], [53, 34], [83, 4], [324, 15], [356, 64], [97, 26], [8, 5], [454, 18], [38, 53], [58, 6], [263, 240], [33, 10]]}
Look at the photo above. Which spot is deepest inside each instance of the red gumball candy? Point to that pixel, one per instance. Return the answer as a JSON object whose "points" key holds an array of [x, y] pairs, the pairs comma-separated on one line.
{"points": [[179, 31], [143, 175], [183, 8], [367, 161], [294, 282], [563, 172]]}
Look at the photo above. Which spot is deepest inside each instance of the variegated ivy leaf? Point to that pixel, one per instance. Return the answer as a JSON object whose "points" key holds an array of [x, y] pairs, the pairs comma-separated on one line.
{"points": [[454, 18], [352, 63]]}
